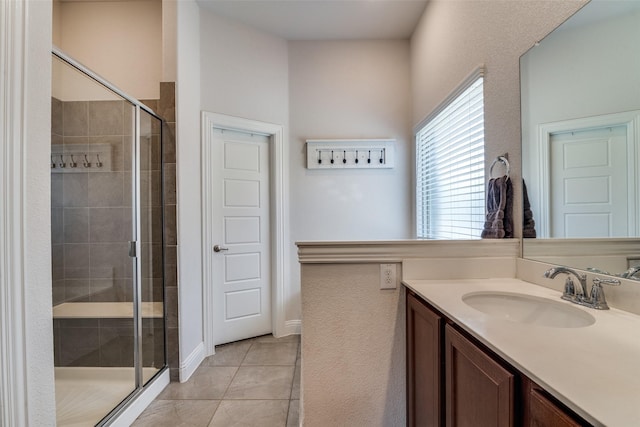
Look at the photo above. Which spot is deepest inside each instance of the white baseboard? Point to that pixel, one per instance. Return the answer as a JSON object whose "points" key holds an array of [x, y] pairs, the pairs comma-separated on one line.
{"points": [[292, 327], [191, 363]]}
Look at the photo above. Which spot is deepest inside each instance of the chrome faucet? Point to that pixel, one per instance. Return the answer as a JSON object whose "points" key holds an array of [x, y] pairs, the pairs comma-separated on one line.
{"points": [[597, 271], [570, 291], [631, 272], [595, 299]]}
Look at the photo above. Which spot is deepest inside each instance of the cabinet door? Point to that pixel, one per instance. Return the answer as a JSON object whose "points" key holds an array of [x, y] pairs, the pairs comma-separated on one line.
{"points": [[479, 392], [424, 365], [545, 413]]}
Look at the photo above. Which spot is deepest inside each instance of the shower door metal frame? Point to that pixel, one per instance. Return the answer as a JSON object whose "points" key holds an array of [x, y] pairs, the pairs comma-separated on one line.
{"points": [[135, 245]]}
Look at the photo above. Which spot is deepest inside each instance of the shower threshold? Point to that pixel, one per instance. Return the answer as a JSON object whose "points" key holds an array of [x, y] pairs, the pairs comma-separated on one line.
{"points": [[85, 395]]}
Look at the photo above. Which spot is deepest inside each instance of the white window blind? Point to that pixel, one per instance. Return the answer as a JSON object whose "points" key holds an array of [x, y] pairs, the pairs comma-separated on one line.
{"points": [[450, 197]]}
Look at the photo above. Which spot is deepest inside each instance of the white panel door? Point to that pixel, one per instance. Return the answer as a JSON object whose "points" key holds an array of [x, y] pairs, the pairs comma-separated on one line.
{"points": [[241, 258], [589, 183]]}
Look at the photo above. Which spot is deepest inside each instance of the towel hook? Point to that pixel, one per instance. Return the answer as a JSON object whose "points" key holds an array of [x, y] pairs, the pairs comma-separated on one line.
{"points": [[504, 161]]}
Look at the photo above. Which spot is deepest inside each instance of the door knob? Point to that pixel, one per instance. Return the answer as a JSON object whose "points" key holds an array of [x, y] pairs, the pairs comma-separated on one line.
{"points": [[218, 248]]}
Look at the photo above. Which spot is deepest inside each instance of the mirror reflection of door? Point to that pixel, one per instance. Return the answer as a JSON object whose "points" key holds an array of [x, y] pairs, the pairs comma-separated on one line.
{"points": [[590, 183]]}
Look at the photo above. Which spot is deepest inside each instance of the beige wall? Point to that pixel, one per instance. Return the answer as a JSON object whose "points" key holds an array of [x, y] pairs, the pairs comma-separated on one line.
{"points": [[352, 348], [169, 40], [454, 37], [120, 40], [56, 20], [349, 89]]}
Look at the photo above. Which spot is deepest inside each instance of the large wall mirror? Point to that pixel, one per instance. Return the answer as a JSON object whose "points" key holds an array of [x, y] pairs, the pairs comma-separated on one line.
{"points": [[580, 91]]}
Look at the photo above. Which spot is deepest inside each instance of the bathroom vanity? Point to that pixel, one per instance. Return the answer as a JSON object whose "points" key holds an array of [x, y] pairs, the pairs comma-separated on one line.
{"points": [[453, 377], [470, 362], [355, 336]]}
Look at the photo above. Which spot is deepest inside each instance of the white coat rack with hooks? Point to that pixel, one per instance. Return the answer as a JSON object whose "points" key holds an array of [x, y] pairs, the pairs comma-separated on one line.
{"points": [[350, 153]]}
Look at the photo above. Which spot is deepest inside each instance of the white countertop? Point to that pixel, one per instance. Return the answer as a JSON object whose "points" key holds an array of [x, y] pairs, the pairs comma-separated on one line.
{"points": [[594, 370]]}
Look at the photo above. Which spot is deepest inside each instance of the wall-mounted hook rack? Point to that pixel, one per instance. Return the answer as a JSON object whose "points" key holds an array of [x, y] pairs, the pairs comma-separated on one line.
{"points": [[350, 153], [65, 157]]}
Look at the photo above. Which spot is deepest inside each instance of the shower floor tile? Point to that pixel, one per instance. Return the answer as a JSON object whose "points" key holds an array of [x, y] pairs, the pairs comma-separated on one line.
{"points": [[86, 395]]}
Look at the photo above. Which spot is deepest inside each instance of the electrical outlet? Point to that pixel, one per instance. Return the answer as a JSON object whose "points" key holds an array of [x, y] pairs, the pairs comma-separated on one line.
{"points": [[388, 276]]}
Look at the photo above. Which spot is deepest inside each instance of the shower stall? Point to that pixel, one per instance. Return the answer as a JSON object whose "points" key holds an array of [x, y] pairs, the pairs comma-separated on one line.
{"points": [[107, 236]]}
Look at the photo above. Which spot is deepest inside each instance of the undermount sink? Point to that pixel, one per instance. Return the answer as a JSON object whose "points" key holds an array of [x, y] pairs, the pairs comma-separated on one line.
{"points": [[529, 309]]}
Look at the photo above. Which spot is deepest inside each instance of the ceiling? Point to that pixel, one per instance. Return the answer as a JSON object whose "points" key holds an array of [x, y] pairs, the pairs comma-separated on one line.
{"points": [[324, 19]]}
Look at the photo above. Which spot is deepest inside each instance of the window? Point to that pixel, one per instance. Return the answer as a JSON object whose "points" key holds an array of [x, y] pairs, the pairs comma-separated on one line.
{"points": [[450, 197]]}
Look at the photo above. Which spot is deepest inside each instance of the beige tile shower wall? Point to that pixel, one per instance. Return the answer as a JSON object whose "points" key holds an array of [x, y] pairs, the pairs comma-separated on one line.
{"points": [[92, 225], [96, 205], [91, 215], [167, 109], [57, 217], [151, 199]]}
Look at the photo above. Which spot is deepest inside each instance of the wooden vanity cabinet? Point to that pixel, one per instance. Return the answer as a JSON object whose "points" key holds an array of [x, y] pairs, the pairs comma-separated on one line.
{"points": [[478, 390], [454, 381], [424, 365], [543, 411]]}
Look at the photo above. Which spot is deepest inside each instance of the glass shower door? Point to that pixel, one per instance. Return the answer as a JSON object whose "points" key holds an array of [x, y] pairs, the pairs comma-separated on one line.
{"points": [[93, 288], [107, 245], [152, 342]]}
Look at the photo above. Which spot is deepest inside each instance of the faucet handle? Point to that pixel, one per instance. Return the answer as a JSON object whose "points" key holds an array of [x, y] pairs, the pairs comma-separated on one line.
{"points": [[611, 282], [598, 300], [569, 292], [631, 272]]}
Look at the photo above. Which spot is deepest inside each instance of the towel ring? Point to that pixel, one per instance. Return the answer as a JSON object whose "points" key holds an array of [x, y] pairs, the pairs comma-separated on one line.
{"points": [[504, 161]]}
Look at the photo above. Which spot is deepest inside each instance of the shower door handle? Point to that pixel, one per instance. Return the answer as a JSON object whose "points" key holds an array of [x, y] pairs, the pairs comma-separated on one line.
{"points": [[218, 248], [132, 249]]}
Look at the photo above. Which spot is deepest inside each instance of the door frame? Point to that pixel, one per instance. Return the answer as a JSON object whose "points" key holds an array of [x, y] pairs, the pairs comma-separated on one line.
{"points": [[630, 120], [20, 280], [279, 228]]}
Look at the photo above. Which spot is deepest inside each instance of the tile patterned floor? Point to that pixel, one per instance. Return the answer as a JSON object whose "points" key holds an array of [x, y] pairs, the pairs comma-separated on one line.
{"points": [[254, 382]]}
